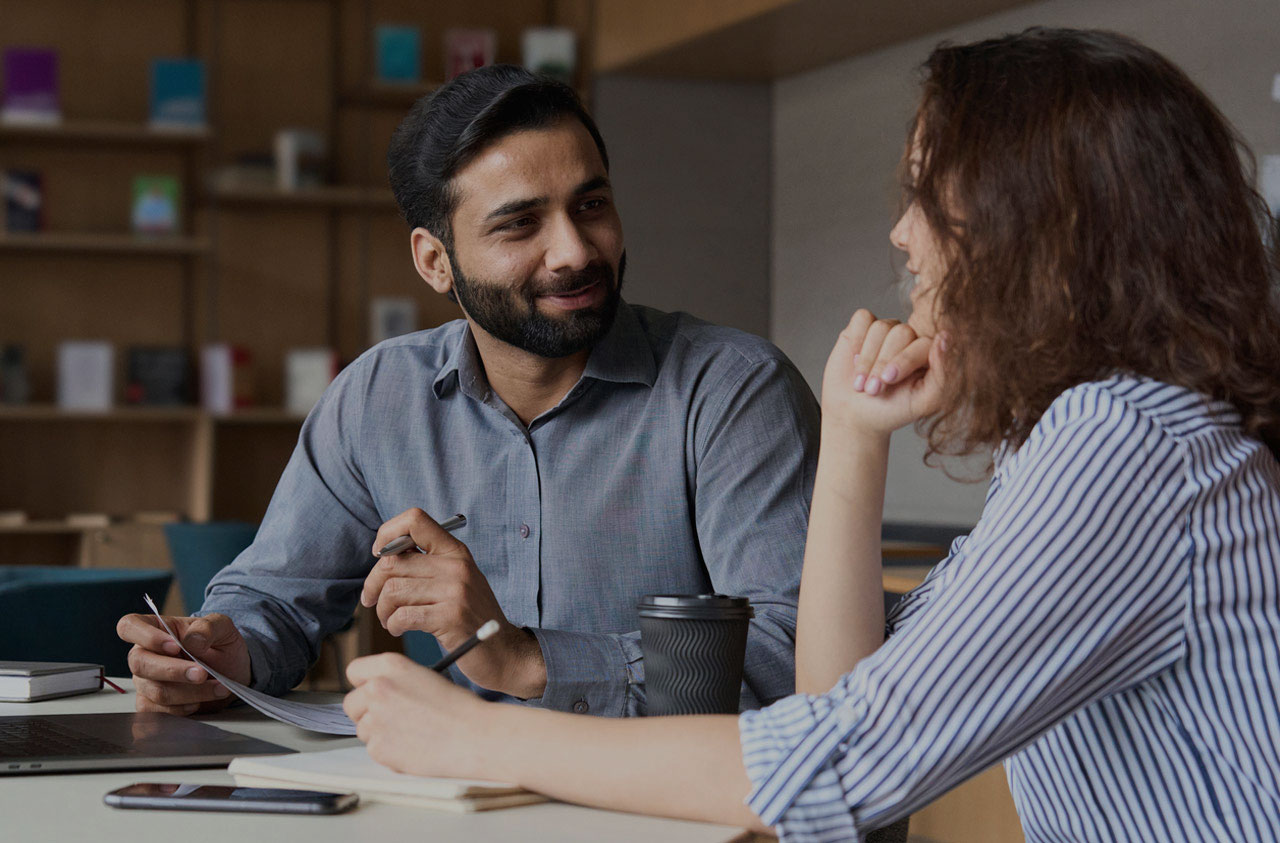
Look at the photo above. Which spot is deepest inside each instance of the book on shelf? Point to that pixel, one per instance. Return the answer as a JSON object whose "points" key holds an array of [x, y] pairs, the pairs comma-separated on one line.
{"points": [[307, 373], [23, 200], [551, 51], [157, 376], [15, 383], [177, 94], [391, 316], [467, 49], [13, 518], [225, 383], [155, 517], [30, 87], [35, 681], [301, 159], [351, 769], [156, 205], [88, 520], [399, 53], [86, 372]]}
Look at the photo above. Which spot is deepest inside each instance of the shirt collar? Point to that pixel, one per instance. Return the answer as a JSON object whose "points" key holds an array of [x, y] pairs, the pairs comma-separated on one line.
{"points": [[623, 355]]}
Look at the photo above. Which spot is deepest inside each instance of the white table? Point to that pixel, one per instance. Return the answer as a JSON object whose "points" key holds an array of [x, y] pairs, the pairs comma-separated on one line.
{"points": [[61, 807]]}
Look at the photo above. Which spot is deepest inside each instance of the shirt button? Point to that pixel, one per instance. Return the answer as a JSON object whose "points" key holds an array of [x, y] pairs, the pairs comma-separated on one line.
{"points": [[524, 531], [581, 707]]}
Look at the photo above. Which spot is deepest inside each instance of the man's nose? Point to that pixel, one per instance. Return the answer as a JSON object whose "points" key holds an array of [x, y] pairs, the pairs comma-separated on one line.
{"points": [[567, 248]]}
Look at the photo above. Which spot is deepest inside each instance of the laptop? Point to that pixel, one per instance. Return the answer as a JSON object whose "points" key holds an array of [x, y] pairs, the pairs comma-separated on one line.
{"points": [[64, 743]]}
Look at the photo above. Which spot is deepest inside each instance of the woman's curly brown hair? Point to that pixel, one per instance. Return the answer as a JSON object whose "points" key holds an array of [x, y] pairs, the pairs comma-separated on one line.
{"points": [[1097, 216]]}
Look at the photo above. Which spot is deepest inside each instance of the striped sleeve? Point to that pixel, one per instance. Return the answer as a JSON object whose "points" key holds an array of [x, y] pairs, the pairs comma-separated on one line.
{"points": [[1070, 588]]}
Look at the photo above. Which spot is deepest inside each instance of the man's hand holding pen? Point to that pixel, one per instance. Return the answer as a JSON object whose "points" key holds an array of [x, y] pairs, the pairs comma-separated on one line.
{"points": [[437, 588]]}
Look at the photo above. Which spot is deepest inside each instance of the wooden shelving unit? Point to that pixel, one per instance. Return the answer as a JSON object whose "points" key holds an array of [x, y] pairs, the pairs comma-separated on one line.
{"points": [[102, 132], [91, 243], [330, 196]]}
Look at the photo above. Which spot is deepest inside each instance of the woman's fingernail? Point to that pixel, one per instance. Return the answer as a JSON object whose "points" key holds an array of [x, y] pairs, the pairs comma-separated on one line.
{"points": [[873, 386], [858, 382], [890, 374], [195, 674]]}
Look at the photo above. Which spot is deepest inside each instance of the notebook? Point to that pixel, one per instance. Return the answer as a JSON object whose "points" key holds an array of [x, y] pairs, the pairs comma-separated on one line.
{"points": [[34, 681], [352, 770]]}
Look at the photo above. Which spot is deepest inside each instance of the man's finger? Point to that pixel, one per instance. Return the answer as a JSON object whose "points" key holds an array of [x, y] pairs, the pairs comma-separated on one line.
{"points": [[177, 694], [145, 631], [160, 668], [423, 529]]}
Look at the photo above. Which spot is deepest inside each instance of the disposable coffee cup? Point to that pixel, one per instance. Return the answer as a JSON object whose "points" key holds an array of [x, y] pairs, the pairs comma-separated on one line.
{"points": [[693, 648]]}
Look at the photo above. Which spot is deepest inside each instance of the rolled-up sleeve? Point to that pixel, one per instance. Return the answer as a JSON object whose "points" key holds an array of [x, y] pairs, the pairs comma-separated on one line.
{"points": [[1040, 612], [757, 452], [300, 578], [591, 673]]}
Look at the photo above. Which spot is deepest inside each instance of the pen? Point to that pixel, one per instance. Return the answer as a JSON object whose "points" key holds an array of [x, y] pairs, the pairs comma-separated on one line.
{"points": [[403, 543], [485, 631]]}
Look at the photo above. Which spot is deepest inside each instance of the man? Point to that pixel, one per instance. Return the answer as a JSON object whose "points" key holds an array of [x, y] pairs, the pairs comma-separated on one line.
{"points": [[600, 451]]}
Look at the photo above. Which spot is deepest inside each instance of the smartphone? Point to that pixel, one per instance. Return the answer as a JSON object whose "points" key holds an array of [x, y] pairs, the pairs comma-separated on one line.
{"points": [[208, 797]]}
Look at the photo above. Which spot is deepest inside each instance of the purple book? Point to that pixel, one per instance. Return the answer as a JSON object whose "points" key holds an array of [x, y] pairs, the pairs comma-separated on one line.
{"points": [[31, 85]]}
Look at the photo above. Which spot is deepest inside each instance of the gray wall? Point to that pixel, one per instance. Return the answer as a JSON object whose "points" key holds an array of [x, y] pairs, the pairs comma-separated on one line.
{"points": [[838, 132], [690, 165]]}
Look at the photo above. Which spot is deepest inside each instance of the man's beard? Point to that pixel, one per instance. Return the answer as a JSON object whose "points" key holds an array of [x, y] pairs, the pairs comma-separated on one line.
{"points": [[512, 316]]}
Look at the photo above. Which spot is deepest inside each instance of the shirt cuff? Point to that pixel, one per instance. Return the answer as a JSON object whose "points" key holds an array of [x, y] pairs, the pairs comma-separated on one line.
{"points": [[588, 673], [787, 750]]}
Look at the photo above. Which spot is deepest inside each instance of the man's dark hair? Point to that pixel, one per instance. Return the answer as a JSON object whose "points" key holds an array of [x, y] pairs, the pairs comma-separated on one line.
{"points": [[447, 129]]}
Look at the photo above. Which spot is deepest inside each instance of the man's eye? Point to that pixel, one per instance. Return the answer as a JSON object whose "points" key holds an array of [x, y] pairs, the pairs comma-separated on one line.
{"points": [[591, 205], [523, 222]]}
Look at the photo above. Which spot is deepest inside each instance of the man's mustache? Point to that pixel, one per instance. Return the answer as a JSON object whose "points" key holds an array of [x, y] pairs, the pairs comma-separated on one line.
{"points": [[593, 274]]}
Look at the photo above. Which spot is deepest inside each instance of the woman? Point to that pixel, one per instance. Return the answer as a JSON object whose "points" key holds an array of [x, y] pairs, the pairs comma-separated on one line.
{"points": [[1093, 300]]}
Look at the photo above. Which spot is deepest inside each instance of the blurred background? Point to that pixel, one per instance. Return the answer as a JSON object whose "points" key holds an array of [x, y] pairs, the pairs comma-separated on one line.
{"points": [[198, 231]]}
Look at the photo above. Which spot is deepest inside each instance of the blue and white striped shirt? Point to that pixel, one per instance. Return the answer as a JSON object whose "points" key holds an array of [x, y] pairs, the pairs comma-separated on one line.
{"points": [[1111, 627]]}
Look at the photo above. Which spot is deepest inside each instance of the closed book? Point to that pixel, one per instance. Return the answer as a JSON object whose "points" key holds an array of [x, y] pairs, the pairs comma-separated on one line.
{"points": [[23, 200], [34, 681], [351, 770], [467, 49], [399, 52], [177, 94], [156, 204], [307, 373], [30, 86], [158, 376], [86, 373], [225, 384]]}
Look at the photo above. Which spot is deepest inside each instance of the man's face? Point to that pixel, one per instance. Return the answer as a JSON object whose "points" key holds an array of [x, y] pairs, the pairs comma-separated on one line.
{"points": [[537, 253]]}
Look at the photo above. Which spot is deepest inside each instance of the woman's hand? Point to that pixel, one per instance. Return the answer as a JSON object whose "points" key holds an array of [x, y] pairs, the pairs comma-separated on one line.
{"points": [[414, 720], [881, 376]]}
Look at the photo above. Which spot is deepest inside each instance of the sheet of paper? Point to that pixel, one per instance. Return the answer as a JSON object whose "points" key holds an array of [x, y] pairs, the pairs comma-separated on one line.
{"points": [[329, 719]]}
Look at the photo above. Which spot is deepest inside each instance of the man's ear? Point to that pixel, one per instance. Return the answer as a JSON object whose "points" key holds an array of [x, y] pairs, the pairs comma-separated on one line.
{"points": [[431, 259]]}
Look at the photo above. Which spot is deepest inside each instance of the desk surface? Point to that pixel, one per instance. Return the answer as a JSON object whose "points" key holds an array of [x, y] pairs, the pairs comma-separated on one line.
{"points": [[66, 806]]}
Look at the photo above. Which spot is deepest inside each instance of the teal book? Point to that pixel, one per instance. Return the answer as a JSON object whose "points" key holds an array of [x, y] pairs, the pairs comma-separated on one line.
{"points": [[177, 94], [399, 53]]}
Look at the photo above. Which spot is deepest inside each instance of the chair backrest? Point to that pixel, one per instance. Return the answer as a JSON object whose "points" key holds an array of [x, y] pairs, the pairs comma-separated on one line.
{"points": [[199, 551], [58, 614]]}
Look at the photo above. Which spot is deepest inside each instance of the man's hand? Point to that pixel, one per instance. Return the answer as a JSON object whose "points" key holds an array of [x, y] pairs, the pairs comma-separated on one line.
{"points": [[441, 591], [416, 721], [166, 679]]}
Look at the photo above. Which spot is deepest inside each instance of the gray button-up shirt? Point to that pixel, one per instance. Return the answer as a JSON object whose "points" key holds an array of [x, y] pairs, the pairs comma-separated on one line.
{"points": [[681, 462]]}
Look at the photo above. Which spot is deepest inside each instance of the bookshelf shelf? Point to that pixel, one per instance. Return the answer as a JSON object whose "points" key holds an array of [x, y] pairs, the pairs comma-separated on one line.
{"points": [[95, 132], [152, 415], [44, 528], [104, 244], [49, 412], [330, 196], [387, 95]]}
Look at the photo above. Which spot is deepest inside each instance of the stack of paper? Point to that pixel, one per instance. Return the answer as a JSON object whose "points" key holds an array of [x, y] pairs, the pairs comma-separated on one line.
{"points": [[351, 770]]}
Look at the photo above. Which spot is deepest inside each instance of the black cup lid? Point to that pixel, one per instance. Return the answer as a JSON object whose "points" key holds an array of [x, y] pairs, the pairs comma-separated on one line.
{"points": [[695, 606]]}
